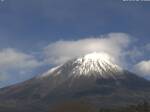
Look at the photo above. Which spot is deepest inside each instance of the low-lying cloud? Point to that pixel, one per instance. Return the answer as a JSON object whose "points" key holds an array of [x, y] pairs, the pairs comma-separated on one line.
{"points": [[61, 51], [13, 59], [143, 68], [14, 63], [16, 66]]}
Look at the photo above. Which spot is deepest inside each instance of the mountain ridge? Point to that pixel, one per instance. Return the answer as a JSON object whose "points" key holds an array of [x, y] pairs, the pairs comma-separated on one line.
{"points": [[99, 87], [96, 63]]}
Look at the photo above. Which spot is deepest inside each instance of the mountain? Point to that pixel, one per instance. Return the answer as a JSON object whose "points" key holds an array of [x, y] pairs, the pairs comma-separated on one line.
{"points": [[94, 64], [88, 82]]}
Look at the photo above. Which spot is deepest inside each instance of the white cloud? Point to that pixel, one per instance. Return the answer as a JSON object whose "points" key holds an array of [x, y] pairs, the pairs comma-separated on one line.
{"points": [[143, 68], [12, 59], [61, 51], [13, 63]]}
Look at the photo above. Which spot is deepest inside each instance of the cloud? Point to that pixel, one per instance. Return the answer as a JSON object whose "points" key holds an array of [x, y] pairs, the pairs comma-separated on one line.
{"points": [[13, 64], [134, 53], [13, 59], [61, 51], [143, 68]]}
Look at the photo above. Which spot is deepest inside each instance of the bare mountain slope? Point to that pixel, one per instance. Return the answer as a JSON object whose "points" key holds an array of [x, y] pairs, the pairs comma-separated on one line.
{"points": [[93, 79]]}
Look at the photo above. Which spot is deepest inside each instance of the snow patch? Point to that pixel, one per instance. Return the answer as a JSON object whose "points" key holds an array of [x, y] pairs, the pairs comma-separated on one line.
{"points": [[94, 64]]}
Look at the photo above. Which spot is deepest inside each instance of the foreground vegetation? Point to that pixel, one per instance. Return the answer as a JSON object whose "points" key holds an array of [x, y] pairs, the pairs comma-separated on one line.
{"points": [[142, 107], [76, 106]]}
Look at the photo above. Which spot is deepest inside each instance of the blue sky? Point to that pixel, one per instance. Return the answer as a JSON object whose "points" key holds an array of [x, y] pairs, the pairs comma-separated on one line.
{"points": [[27, 27]]}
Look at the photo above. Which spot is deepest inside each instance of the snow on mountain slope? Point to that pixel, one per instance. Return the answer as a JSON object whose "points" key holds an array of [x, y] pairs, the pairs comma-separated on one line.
{"points": [[94, 64], [93, 78]]}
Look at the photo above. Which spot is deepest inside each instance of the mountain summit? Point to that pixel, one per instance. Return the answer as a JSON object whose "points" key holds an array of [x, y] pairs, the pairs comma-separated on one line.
{"points": [[93, 79], [99, 65]]}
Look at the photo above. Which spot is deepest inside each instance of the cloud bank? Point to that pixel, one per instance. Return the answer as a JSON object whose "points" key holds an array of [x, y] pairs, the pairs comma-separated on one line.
{"points": [[15, 65], [143, 68], [13, 59], [113, 44]]}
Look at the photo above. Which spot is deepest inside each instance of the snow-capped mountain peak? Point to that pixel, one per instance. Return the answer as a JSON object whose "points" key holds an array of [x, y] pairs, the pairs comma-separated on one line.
{"points": [[93, 64], [97, 57], [98, 64]]}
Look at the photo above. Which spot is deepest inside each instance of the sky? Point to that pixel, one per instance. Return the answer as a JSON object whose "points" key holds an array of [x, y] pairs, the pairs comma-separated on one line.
{"points": [[36, 35]]}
